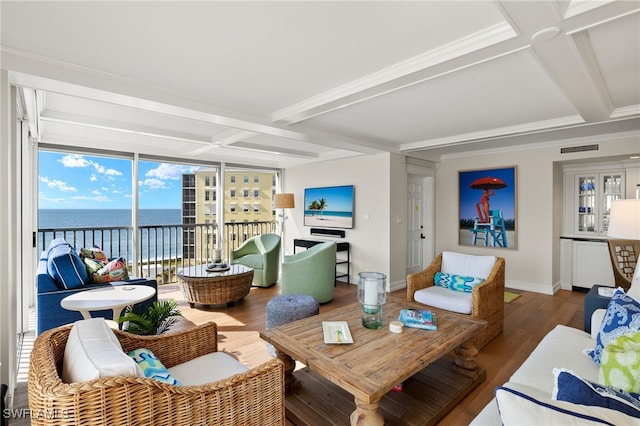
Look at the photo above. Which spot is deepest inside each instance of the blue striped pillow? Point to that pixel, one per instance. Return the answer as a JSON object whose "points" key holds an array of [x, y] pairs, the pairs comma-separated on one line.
{"points": [[66, 267]]}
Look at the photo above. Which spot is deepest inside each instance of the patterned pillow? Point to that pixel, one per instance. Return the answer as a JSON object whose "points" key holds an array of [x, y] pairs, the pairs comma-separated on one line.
{"points": [[456, 282], [116, 270], [92, 265], [571, 388], [152, 367], [94, 252], [620, 363], [622, 317]]}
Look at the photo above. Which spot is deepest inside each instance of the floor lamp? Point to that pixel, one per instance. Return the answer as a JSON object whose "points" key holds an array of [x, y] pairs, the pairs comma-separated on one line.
{"points": [[283, 201], [624, 222]]}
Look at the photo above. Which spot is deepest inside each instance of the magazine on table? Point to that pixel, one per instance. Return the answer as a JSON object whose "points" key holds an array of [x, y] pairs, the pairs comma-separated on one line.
{"points": [[419, 318]]}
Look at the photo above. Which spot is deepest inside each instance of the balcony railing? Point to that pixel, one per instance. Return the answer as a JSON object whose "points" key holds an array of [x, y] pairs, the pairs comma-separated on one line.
{"points": [[161, 250]]}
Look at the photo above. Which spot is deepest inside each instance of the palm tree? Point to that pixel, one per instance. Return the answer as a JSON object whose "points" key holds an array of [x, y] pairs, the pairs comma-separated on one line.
{"points": [[322, 204], [314, 206], [155, 320]]}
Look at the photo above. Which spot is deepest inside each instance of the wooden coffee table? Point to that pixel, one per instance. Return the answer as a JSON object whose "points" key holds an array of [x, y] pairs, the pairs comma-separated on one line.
{"points": [[212, 288], [377, 360]]}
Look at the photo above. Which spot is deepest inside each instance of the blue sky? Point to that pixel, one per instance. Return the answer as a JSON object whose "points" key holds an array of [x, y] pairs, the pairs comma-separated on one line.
{"points": [[504, 199], [72, 181]]}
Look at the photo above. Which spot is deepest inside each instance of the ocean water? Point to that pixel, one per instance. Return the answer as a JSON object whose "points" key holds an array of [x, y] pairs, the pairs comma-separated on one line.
{"points": [[157, 244], [81, 218]]}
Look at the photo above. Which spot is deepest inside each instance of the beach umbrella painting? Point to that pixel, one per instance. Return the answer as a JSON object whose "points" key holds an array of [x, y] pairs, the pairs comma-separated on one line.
{"points": [[488, 182], [488, 185]]}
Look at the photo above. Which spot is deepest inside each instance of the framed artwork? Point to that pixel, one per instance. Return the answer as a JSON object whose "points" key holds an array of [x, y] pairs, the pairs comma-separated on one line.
{"points": [[487, 208]]}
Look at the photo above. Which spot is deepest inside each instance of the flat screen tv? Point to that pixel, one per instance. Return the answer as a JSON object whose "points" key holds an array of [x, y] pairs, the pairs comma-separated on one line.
{"points": [[329, 207]]}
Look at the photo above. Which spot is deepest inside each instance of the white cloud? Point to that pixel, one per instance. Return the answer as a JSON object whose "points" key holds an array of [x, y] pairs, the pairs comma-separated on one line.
{"points": [[153, 183], [93, 178], [169, 171], [76, 160], [96, 192], [58, 184]]}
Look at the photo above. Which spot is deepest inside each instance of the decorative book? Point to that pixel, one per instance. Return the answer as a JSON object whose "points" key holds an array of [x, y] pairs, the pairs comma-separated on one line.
{"points": [[419, 318]]}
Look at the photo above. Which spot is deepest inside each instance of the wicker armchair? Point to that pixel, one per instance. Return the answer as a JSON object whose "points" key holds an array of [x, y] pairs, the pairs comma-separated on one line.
{"points": [[255, 397], [487, 297], [624, 258]]}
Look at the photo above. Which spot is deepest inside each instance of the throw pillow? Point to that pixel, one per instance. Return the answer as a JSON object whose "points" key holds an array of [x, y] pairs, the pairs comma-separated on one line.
{"points": [[93, 351], [571, 388], [116, 270], [456, 282], [517, 409], [620, 363], [94, 252], [152, 367], [65, 266], [622, 317], [92, 265]]}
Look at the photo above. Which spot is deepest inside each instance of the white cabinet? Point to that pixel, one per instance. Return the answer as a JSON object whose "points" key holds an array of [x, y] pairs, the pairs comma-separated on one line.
{"points": [[591, 264], [588, 194], [594, 193]]}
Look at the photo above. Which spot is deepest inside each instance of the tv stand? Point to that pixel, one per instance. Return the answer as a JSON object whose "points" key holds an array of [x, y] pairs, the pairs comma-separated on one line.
{"points": [[340, 247]]}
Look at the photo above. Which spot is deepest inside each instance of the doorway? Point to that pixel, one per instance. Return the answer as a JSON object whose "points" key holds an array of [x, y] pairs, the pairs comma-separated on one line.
{"points": [[420, 223]]}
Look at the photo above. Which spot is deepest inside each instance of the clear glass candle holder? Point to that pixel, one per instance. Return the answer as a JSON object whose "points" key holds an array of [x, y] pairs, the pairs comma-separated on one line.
{"points": [[372, 294]]}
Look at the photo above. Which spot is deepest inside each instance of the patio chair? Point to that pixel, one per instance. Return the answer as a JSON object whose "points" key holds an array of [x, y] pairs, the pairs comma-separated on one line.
{"points": [[252, 397], [311, 272], [262, 254], [484, 301]]}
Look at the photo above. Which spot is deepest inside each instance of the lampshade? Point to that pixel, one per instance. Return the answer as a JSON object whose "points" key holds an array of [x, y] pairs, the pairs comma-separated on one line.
{"points": [[283, 201], [624, 219]]}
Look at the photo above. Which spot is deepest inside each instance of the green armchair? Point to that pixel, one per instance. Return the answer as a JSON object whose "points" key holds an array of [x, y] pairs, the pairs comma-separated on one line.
{"points": [[311, 272], [262, 254]]}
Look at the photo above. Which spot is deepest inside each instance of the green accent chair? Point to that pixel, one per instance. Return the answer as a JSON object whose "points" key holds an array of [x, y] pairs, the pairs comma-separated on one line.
{"points": [[311, 272], [262, 254]]}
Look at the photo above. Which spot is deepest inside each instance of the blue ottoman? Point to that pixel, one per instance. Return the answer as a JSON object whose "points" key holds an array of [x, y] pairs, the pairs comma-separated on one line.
{"points": [[290, 307]]}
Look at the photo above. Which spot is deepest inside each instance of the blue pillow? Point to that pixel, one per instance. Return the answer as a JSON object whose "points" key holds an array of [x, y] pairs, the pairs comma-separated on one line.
{"points": [[456, 282], [152, 367], [65, 266], [622, 317], [571, 388]]}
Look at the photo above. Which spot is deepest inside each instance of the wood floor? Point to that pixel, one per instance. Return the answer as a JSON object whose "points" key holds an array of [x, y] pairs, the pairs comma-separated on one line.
{"points": [[527, 319]]}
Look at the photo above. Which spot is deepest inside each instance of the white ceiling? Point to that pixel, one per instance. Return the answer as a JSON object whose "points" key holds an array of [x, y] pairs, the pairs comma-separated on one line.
{"points": [[284, 83]]}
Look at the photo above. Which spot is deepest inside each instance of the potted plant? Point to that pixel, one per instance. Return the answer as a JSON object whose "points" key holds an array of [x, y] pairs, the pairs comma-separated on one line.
{"points": [[157, 319]]}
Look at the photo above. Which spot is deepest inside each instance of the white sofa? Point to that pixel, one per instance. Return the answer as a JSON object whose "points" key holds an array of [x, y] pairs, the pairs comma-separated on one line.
{"points": [[562, 347]]}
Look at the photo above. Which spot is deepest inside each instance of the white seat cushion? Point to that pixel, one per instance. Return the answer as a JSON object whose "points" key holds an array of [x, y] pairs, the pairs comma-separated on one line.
{"points": [[93, 351], [206, 369], [444, 298], [467, 265]]}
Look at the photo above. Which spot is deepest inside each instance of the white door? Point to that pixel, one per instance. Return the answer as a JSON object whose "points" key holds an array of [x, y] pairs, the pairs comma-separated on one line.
{"points": [[415, 224]]}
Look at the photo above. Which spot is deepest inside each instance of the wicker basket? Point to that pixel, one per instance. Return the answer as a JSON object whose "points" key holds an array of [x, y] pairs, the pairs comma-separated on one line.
{"points": [[255, 397], [204, 288]]}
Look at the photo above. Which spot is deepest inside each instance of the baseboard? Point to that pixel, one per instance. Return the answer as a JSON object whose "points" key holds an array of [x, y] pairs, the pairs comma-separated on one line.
{"points": [[397, 285], [533, 287]]}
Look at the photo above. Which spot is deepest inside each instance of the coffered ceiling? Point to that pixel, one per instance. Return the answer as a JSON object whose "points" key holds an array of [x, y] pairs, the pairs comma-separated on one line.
{"points": [[284, 83]]}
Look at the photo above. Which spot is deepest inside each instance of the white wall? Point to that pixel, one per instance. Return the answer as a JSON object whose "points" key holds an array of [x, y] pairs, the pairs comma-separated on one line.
{"points": [[533, 265], [377, 240]]}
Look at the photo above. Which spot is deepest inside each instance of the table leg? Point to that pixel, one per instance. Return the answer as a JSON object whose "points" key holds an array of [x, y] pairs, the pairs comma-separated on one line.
{"points": [[290, 381], [85, 314], [466, 360], [366, 414]]}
